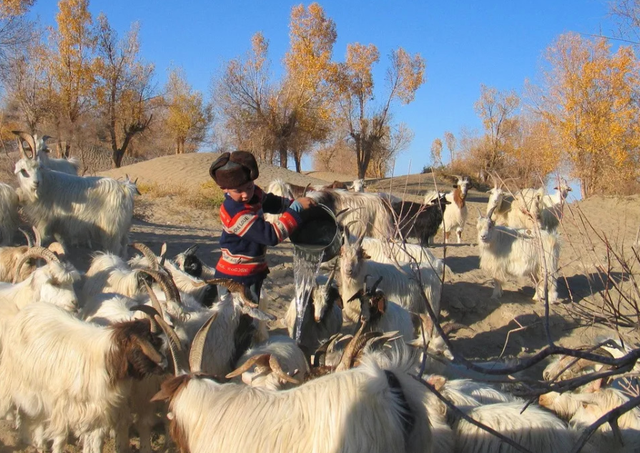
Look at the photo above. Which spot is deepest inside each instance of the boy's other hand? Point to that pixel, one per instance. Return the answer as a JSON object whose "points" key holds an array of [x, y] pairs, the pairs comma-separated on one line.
{"points": [[306, 202]]}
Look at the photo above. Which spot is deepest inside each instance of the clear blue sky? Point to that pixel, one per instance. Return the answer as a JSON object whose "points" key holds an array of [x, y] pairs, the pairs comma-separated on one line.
{"points": [[498, 43]]}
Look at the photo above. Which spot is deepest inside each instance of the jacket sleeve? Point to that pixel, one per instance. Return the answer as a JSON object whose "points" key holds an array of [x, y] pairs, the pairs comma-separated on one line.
{"points": [[274, 204], [247, 224]]}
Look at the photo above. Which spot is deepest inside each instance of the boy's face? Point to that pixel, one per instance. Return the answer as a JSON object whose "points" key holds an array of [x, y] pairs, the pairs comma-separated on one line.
{"points": [[241, 193]]}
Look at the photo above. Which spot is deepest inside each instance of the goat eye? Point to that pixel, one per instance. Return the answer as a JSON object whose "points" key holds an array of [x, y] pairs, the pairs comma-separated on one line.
{"points": [[24, 173]]}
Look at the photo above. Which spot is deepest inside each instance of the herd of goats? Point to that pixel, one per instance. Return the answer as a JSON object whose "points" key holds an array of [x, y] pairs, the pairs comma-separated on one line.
{"points": [[133, 343]]}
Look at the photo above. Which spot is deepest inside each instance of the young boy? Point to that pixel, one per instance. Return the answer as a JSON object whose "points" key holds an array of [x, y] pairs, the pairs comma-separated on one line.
{"points": [[246, 235]]}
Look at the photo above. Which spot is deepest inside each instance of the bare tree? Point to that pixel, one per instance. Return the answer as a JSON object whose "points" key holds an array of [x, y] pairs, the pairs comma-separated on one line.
{"points": [[125, 87]]}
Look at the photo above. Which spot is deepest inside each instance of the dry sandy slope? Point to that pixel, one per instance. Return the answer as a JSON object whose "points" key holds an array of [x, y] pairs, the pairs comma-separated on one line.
{"points": [[192, 170], [466, 294]]}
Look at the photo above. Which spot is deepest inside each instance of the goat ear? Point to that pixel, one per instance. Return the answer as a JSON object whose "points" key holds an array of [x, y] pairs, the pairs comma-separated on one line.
{"points": [[437, 381], [58, 249], [594, 386]]}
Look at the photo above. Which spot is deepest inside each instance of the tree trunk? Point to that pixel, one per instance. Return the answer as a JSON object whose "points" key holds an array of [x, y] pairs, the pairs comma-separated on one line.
{"points": [[297, 159], [283, 157], [117, 156]]}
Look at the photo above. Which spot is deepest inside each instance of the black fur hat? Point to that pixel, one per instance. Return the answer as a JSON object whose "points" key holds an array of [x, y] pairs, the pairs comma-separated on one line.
{"points": [[232, 170]]}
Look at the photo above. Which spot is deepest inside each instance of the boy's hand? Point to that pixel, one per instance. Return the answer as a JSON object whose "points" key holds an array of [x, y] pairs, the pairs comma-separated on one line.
{"points": [[306, 202]]}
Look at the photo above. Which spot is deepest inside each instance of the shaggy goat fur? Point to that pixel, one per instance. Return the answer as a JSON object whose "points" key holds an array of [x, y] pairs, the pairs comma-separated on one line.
{"points": [[520, 253], [369, 211], [535, 429], [400, 284], [385, 251], [76, 209], [72, 377], [365, 409], [9, 219], [455, 216]]}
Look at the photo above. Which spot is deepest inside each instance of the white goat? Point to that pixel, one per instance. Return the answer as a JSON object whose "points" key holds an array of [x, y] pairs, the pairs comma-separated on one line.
{"points": [[276, 364], [281, 188], [455, 216], [38, 147], [76, 208], [535, 429], [357, 185], [520, 253], [52, 283], [385, 251], [552, 205], [189, 262], [399, 283], [9, 219], [204, 293], [372, 213], [233, 330], [583, 409], [362, 409], [67, 376], [111, 310], [526, 210]]}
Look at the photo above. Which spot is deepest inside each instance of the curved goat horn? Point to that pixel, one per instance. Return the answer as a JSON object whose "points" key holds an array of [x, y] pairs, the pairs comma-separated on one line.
{"points": [[155, 303], [191, 250], [349, 352], [375, 285], [27, 236], [148, 253], [30, 141], [37, 236], [34, 252], [321, 351], [260, 360], [279, 372], [197, 347], [151, 312], [235, 288], [180, 363], [166, 283], [332, 275]]}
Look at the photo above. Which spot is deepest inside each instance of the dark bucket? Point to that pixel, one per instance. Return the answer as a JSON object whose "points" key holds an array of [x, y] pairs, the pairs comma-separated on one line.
{"points": [[318, 232]]}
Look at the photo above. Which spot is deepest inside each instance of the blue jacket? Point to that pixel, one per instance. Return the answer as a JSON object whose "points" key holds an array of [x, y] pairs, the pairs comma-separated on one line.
{"points": [[246, 235]]}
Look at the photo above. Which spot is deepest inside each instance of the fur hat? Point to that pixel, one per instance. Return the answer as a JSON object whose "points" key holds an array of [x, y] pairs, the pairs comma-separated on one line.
{"points": [[232, 170]]}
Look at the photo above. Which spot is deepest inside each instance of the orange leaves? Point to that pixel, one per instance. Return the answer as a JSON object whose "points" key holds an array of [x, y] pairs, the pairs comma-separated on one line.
{"points": [[357, 68], [188, 115], [73, 66], [591, 100], [312, 36], [14, 7], [410, 73]]}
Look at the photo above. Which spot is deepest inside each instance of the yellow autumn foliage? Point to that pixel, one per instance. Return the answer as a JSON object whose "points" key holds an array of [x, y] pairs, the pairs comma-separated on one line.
{"points": [[590, 99]]}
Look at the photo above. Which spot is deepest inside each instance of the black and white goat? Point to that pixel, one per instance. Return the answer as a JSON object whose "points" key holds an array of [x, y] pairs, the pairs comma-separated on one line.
{"points": [[420, 221]]}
